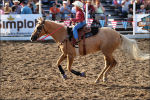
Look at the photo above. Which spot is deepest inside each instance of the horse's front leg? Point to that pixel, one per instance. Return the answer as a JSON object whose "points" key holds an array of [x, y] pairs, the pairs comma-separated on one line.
{"points": [[70, 59], [61, 58]]}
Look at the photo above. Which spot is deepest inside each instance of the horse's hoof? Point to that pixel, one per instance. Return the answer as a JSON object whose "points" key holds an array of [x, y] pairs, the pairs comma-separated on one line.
{"points": [[83, 74], [104, 79], [96, 81], [65, 77]]}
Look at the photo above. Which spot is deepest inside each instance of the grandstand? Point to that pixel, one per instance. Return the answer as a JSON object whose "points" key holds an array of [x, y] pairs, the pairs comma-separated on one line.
{"points": [[111, 15]]}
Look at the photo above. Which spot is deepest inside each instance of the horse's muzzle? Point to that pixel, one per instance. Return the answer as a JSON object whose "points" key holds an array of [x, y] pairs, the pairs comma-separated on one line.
{"points": [[34, 38]]}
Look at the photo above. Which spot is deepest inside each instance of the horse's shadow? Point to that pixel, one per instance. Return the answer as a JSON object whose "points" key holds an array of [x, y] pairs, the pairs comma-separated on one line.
{"points": [[125, 86]]}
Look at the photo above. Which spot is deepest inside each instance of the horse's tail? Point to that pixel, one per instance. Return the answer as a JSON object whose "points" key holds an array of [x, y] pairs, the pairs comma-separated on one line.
{"points": [[130, 46]]}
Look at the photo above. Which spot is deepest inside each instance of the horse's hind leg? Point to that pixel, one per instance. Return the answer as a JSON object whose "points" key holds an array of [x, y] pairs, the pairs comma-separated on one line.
{"points": [[109, 69], [107, 64], [61, 58], [70, 59]]}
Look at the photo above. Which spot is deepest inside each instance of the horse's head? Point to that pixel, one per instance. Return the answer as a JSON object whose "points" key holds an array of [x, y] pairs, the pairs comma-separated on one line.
{"points": [[39, 30]]}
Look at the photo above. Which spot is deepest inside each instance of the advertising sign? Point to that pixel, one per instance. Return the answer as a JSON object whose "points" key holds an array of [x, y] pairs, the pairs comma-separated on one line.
{"points": [[142, 23], [18, 24]]}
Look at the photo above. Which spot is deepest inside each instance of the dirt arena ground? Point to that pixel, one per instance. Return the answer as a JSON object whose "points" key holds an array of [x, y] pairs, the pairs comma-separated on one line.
{"points": [[28, 72]]}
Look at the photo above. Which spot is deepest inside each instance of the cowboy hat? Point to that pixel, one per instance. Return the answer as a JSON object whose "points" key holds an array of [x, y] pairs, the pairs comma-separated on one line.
{"points": [[88, 1], [64, 2], [78, 4], [6, 4], [16, 1], [37, 4]]}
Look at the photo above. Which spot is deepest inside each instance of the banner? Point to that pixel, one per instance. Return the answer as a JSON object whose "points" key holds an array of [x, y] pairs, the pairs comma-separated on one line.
{"points": [[18, 24], [89, 22], [114, 24], [142, 23], [67, 23], [125, 24], [102, 23]]}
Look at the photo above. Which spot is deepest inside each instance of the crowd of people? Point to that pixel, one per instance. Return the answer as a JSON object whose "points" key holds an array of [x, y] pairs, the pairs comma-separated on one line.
{"points": [[65, 9], [126, 7], [58, 8], [19, 7]]}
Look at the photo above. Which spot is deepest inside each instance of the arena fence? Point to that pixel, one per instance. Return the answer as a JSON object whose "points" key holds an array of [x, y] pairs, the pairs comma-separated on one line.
{"points": [[20, 26]]}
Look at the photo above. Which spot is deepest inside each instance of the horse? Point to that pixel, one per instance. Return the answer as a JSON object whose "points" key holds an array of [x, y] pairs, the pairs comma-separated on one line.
{"points": [[107, 40]]}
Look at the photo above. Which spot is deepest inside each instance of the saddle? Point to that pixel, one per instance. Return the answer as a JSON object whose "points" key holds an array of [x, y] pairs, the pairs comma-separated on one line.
{"points": [[84, 32]]}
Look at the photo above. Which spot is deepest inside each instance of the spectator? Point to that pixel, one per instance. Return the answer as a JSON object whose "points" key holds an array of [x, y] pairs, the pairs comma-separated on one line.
{"points": [[45, 2], [130, 13], [25, 9], [18, 7], [65, 10], [48, 16], [117, 4], [147, 5], [69, 5], [31, 6], [59, 2], [37, 9], [34, 4], [83, 1], [94, 2], [125, 8], [7, 9], [73, 10], [13, 10], [10, 2], [1, 9], [1, 2], [100, 12], [142, 10], [91, 9], [54, 11], [138, 4], [58, 5], [51, 2], [99, 8]]}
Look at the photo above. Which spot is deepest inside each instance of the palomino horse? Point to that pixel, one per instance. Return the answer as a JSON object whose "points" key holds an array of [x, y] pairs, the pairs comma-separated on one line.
{"points": [[107, 40]]}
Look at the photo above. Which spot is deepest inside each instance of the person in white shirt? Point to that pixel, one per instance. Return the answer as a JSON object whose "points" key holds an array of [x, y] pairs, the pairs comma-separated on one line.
{"points": [[125, 7]]}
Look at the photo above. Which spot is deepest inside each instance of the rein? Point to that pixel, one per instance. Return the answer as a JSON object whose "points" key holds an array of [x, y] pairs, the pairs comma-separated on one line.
{"points": [[49, 34]]}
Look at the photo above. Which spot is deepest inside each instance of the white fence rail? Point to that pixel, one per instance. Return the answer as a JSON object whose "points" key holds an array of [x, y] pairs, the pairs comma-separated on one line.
{"points": [[20, 26]]}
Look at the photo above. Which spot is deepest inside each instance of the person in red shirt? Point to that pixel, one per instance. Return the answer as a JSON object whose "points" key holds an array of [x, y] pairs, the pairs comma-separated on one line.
{"points": [[91, 8], [80, 19], [54, 11]]}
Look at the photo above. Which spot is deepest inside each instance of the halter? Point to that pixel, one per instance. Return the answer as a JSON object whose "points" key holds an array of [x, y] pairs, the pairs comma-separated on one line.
{"points": [[40, 27]]}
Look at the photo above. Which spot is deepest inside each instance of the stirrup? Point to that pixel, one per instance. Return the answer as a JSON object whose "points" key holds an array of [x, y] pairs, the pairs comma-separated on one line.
{"points": [[76, 46]]}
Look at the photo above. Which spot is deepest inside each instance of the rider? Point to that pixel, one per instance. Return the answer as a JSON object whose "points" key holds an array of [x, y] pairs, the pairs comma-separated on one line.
{"points": [[80, 19]]}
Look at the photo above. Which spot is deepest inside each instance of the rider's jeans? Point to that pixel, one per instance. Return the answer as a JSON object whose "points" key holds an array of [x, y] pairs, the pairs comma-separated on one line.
{"points": [[76, 27]]}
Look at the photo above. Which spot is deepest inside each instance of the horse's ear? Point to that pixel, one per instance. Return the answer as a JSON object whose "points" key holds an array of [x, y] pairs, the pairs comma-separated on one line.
{"points": [[40, 19]]}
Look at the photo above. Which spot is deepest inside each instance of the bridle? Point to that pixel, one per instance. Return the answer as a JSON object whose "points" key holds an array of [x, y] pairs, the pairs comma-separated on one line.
{"points": [[40, 27]]}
